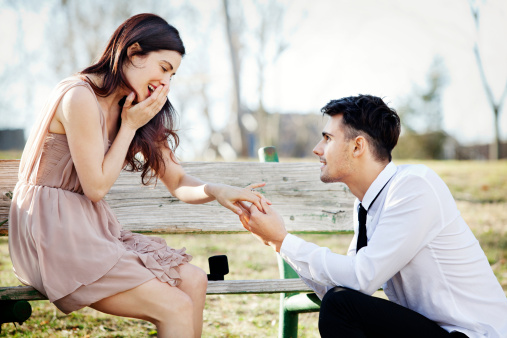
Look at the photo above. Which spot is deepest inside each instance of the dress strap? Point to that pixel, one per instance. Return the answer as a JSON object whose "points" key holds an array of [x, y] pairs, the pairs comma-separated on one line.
{"points": [[33, 149]]}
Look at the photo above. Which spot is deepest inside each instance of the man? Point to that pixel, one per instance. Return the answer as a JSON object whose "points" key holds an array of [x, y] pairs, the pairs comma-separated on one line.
{"points": [[410, 239]]}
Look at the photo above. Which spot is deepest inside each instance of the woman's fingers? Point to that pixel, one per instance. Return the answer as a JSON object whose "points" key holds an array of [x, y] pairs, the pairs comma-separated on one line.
{"points": [[140, 114], [234, 208], [161, 97], [128, 101], [261, 196], [245, 215], [256, 201], [258, 194], [256, 185], [156, 101], [243, 207]]}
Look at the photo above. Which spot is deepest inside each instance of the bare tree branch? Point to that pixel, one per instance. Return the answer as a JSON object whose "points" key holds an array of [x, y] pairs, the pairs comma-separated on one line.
{"points": [[496, 106]]}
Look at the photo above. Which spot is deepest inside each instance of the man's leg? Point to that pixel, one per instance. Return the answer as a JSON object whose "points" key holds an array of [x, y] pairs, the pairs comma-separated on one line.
{"points": [[349, 313]]}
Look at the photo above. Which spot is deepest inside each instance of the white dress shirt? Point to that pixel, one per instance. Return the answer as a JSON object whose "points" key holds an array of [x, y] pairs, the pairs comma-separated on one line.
{"points": [[419, 250]]}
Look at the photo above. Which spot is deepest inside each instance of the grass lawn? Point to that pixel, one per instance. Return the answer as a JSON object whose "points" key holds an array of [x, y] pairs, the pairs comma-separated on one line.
{"points": [[479, 187]]}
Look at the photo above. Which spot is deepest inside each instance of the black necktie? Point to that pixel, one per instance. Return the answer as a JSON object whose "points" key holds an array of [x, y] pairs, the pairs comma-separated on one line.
{"points": [[361, 238]]}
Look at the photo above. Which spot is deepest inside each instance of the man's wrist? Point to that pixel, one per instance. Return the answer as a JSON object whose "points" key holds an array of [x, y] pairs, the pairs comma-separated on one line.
{"points": [[277, 244]]}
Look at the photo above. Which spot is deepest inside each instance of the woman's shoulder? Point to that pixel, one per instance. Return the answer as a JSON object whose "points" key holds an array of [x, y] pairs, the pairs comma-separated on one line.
{"points": [[79, 97], [72, 81]]}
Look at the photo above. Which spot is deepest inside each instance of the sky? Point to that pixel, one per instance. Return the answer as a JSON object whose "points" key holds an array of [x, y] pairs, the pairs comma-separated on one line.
{"points": [[335, 49]]}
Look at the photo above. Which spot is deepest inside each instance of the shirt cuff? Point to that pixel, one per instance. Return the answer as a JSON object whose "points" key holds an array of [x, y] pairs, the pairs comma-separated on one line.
{"points": [[290, 245]]}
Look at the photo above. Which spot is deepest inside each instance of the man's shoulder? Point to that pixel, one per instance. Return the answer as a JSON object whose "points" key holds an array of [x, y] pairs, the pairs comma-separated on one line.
{"points": [[420, 170], [419, 173]]}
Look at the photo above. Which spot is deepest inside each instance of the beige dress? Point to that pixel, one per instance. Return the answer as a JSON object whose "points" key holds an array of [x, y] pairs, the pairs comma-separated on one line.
{"points": [[69, 248]]}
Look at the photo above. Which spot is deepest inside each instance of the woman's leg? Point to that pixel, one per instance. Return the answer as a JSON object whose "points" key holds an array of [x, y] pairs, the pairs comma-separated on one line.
{"points": [[169, 308], [194, 282], [349, 313]]}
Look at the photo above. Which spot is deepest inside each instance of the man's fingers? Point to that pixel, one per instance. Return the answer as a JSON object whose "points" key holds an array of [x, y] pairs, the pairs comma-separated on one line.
{"points": [[243, 208], [244, 217]]}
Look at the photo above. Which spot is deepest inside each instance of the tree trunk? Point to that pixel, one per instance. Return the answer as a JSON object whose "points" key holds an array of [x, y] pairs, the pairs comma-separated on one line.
{"points": [[237, 131]]}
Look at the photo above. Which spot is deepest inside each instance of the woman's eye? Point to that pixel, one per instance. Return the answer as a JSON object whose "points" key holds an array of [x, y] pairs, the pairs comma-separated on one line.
{"points": [[164, 69]]}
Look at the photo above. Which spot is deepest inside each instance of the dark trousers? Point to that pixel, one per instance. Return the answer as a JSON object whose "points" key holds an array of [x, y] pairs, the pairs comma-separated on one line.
{"points": [[349, 313]]}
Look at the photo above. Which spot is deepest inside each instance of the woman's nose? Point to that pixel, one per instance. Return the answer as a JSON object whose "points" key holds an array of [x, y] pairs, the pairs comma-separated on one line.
{"points": [[166, 82]]}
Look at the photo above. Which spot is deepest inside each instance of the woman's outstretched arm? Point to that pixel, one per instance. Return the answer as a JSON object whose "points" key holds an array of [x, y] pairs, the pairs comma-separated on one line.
{"points": [[192, 190]]}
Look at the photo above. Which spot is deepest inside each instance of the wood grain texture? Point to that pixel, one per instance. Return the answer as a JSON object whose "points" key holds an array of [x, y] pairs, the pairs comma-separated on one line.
{"points": [[295, 189], [214, 288]]}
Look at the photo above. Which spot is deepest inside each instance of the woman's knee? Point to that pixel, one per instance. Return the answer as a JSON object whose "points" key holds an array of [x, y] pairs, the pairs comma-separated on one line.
{"points": [[193, 279], [170, 305]]}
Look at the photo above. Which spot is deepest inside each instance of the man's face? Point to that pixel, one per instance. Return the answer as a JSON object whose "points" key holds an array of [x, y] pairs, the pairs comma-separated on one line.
{"points": [[335, 152]]}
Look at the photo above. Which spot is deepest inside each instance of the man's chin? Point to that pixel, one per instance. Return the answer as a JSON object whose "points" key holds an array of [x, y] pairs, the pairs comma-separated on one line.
{"points": [[326, 179]]}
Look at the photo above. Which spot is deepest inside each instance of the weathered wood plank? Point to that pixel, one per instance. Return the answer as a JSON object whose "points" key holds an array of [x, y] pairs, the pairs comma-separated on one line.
{"points": [[256, 286], [214, 288], [20, 293], [295, 189], [8, 179]]}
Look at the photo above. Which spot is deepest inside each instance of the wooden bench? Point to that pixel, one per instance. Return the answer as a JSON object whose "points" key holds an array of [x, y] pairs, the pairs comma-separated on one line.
{"points": [[306, 204]]}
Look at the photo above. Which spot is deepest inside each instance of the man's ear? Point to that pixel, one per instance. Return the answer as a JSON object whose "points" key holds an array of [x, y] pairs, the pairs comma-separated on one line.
{"points": [[360, 145], [133, 48]]}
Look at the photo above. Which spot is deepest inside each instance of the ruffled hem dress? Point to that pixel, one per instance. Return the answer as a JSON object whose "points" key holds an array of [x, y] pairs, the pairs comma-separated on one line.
{"points": [[73, 250]]}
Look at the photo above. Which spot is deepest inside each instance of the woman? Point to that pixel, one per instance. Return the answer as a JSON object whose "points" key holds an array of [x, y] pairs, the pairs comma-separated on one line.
{"points": [[64, 239]]}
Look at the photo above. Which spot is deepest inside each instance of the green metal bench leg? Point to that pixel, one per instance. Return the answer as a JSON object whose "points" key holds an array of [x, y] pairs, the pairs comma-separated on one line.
{"points": [[288, 327], [292, 304]]}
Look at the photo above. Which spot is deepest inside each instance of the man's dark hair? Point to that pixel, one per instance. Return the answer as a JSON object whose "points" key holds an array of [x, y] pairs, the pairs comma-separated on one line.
{"points": [[369, 116]]}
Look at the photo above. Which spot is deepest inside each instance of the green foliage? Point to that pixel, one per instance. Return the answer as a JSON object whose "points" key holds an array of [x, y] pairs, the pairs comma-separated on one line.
{"points": [[421, 146], [475, 181], [421, 118], [10, 154]]}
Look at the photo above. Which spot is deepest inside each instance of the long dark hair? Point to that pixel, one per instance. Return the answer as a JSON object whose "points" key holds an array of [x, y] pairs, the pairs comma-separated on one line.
{"points": [[152, 33]]}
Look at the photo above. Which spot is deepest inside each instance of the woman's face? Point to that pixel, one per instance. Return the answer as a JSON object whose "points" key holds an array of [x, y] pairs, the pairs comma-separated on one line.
{"points": [[147, 72]]}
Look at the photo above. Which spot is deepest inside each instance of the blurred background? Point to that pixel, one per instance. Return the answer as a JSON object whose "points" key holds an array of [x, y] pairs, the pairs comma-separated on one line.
{"points": [[257, 72]]}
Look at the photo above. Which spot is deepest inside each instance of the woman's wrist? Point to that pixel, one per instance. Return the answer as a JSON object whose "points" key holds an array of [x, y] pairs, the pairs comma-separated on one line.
{"points": [[210, 189], [127, 130], [128, 126]]}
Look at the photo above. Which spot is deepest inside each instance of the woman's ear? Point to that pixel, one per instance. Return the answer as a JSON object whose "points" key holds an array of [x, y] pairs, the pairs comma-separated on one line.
{"points": [[133, 48]]}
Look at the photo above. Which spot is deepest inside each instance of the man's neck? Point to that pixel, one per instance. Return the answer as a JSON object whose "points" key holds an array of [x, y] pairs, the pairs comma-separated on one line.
{"points": [[364, 176]]}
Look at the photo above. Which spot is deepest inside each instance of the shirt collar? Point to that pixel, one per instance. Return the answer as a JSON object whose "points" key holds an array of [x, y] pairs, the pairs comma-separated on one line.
{"points": [[377, 185]]}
